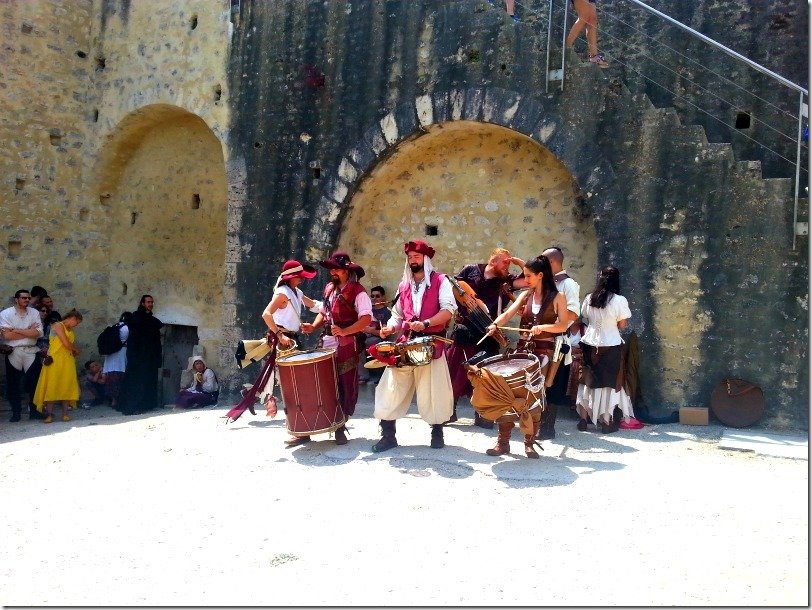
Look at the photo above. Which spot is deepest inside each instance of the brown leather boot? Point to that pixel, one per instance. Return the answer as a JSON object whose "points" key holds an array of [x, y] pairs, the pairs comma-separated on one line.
{"points": [[503, 440], [529, 449]]}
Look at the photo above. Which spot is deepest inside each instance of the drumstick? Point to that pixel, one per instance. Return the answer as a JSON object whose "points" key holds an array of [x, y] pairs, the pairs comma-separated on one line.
{"points": [[526, 330]]}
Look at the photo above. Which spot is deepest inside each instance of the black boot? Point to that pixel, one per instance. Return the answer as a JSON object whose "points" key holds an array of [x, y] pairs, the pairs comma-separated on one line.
{"points": [[34, 414], [547, 428], [482, 422], [341, 435], [388, 440], [437, 441], [15, 415]]}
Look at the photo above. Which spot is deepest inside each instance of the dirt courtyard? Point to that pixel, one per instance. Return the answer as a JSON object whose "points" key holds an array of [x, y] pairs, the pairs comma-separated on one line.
{"points": [[178, 508]]}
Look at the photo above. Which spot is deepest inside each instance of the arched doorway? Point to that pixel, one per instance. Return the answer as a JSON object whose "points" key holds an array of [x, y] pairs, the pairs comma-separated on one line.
{"points": [[467, 187], [162, 182]]}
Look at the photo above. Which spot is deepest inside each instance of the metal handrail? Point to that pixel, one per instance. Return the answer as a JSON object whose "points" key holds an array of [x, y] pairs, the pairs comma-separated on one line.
{"points": [[802, 105], [721, 47]]}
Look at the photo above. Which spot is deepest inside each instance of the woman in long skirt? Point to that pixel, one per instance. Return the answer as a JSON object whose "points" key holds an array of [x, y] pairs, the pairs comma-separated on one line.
{"points": [[600, 391], [59, 381]]}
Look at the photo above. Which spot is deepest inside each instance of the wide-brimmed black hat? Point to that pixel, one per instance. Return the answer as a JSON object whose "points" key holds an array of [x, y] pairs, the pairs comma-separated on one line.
{"points": [[341, 260]]}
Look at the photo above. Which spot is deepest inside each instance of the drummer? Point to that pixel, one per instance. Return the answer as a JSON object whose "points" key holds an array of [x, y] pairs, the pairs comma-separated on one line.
{"points": [[424, 306], [283, 317], [544, 315], [345, 312]]}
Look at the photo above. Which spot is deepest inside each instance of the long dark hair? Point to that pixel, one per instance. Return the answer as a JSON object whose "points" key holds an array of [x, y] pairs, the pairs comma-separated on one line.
{"points": [[541, 264], [606, 287]]}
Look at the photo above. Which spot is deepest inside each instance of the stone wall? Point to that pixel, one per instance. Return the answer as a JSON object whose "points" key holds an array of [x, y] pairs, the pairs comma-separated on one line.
{"points": [[49, 235], [156, 162], [477, 186], [350, 90], [296, 122], [110, 108]]}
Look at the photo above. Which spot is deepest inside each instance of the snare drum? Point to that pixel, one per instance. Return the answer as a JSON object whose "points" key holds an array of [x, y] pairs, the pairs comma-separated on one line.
{"points": [[309, 385], [519, 370], [418, 351]]}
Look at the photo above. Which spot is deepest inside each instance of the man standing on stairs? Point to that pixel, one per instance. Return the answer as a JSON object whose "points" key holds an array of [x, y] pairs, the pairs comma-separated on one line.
{"points": [[557, 393], [424, 307]]}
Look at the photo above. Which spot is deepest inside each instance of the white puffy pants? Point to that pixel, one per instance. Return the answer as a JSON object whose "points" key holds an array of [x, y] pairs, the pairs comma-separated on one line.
{"points": [[435, 399]]}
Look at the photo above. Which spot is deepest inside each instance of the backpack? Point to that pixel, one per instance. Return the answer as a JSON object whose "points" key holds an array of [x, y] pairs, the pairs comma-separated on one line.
{"points": [[109, 341]]}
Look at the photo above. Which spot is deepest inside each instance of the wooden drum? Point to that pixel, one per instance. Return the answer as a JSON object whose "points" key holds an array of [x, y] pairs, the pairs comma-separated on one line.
{"points": [[309, 384]]}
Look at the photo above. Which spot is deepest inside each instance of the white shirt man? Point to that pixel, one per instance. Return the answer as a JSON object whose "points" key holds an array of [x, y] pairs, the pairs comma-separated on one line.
{"points": [[20, 327]]}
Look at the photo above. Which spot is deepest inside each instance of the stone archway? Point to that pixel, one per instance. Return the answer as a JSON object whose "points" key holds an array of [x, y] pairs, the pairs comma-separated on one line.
{"points": [[536, 119], [161, 179], [467, 187]]}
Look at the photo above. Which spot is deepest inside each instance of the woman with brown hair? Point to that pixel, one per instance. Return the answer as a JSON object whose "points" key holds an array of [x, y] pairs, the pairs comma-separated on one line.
{"points": [[544, 316], [58, 381]]}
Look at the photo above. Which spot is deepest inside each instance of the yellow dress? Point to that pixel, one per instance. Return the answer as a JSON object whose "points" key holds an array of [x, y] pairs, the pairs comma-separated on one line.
{"points": [[58, 382]]}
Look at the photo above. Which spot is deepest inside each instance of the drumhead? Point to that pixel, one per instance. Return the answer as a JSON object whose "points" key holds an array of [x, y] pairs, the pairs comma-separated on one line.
{"points": [[509, 365], [313, 355]]}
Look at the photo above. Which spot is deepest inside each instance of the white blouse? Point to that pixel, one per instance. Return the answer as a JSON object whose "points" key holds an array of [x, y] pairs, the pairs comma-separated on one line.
{"points": [[602, 330], [290, 317]]}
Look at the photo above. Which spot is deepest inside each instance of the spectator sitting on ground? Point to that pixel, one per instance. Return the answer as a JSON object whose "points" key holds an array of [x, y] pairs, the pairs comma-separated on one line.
{"points": [[204, 390], [95, 380]]}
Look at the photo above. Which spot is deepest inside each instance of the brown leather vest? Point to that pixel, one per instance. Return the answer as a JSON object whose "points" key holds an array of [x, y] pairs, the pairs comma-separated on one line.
{"points": [[546, 315]]}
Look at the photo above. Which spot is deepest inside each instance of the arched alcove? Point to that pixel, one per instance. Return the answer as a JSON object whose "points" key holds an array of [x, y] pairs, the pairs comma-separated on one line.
{"points": [[161, 178], [467, 187]]}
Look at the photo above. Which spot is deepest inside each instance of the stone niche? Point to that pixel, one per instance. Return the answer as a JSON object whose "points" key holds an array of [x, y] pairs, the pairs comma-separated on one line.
{"points": [[163, 178], [466, 188]]}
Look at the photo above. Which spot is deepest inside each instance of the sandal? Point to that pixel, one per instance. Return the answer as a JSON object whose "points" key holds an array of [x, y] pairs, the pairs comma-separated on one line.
{"points": [[48, 420], [65, 418], [296, 441], [599, 60]]}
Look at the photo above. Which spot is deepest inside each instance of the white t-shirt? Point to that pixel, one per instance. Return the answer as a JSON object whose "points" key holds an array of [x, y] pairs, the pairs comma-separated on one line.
{"points": [[572, 292], [602, 330], [117, 361]]}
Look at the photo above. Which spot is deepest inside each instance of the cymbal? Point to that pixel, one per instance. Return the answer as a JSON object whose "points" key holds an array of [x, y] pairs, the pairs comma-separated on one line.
{"points": [[374, 364]]}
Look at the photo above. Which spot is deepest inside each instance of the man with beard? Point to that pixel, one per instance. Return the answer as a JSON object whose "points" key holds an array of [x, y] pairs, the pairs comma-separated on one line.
{"points": [[424, 307], [345, 312], [139, 392], [20, 327], [492, 283]]}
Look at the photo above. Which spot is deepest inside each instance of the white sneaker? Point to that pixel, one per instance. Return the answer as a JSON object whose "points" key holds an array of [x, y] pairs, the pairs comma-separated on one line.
{"points": [[86, 405]]}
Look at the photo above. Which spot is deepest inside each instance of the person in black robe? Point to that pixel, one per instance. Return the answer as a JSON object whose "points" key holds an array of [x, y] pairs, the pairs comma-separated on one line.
{"points": [[139, 392]]}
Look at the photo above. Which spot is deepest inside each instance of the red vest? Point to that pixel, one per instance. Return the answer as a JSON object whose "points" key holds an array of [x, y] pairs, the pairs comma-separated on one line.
{"points": [[342, 304], [430, 306]]}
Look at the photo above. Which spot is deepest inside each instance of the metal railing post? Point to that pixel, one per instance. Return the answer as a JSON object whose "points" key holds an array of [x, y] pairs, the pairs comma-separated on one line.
{"points": [[797, 170], [549, 41], [564, 45]]}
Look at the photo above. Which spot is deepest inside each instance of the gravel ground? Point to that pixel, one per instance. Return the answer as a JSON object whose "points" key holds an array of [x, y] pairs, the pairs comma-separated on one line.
{"points": [[177, 508]]}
